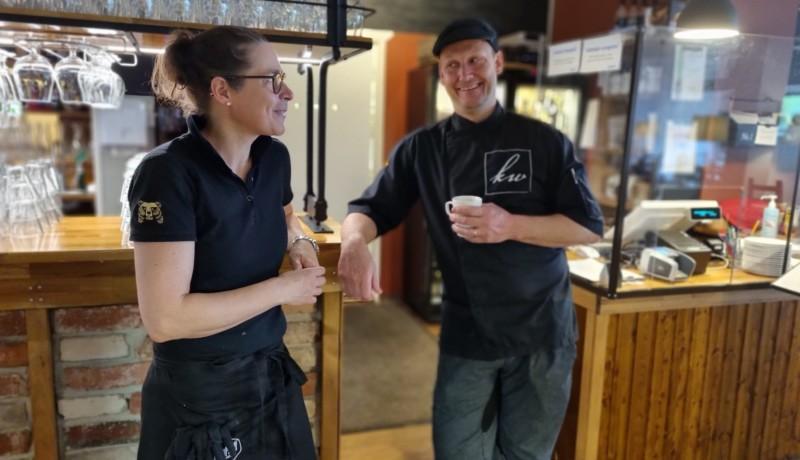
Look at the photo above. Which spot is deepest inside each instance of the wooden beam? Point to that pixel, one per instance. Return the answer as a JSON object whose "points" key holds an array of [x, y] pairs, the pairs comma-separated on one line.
{"points": [[40, 378], [585, 298], [330, 416], [592, 377], [66, 291], [690, 301]]}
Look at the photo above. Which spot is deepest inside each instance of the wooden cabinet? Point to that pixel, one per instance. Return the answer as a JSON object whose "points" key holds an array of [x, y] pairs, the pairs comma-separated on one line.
{"points": [[711, 375]]}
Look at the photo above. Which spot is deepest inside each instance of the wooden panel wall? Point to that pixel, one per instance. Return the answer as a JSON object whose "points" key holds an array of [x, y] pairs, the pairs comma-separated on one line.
{"points": [[709, 383], [401, 57]]}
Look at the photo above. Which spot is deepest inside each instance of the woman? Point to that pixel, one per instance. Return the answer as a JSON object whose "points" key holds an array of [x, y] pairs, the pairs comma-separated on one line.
{"points": [[212, 219]]}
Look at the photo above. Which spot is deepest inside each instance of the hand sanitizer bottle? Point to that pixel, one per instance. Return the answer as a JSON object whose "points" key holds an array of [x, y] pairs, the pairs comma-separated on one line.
{"points": [[770, 218]]}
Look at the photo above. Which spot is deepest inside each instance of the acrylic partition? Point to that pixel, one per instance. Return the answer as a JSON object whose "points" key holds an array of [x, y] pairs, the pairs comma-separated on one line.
{"points": [[684, 147]]}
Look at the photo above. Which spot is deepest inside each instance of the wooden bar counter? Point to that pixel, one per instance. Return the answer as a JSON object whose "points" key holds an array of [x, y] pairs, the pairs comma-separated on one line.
{"points": [[83, 264], [705, 369]]}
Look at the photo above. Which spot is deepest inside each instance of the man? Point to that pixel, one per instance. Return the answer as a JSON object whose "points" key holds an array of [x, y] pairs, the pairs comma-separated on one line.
{"points": [[508, 332]]}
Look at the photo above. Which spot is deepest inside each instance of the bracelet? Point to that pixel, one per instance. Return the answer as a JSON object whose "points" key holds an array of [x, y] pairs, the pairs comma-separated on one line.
{"points": [[305, 238]]}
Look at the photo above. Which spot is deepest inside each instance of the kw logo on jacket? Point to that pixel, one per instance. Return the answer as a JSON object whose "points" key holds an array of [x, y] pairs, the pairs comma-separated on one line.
{"points": [[507, 171]]}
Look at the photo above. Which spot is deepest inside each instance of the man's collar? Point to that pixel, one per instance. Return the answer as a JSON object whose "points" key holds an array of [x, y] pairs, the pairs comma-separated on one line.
{"points": [[461, 123]]}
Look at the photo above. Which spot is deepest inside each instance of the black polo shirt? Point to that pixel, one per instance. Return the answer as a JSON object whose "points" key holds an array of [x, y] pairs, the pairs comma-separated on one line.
{"points": [[505, 299], [184, 191]]}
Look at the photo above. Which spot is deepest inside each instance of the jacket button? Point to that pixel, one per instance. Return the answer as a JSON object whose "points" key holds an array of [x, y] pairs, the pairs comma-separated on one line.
{"points": [[249, 197]]}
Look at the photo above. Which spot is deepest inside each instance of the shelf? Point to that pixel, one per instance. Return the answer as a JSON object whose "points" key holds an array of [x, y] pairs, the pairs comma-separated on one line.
{"points": [[320, 45]]}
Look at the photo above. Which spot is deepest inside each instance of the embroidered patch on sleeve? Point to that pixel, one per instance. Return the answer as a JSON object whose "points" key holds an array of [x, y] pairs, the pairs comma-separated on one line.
{"points": [[149, 211]]}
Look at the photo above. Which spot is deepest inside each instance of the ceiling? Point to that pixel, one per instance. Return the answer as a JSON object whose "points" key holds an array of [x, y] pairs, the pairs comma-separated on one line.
{"points": [[430, 16]]}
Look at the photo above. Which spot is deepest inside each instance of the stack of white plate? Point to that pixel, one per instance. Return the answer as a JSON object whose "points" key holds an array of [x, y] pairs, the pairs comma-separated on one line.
{"points": [[764, 256]]}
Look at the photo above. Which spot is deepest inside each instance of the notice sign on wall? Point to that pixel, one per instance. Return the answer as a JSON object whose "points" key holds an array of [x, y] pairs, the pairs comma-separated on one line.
{"points": [[564, 58], [603, 54], [689, 73], [680, 155]]}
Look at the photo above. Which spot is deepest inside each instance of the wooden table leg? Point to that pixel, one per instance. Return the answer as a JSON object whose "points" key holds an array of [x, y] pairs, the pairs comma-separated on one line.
{"points": [[591, 393], [330, 416], [42, 387]]}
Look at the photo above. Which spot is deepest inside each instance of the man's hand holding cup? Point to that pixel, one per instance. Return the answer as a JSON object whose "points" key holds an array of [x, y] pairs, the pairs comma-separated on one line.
{"points": [[477, 222]]}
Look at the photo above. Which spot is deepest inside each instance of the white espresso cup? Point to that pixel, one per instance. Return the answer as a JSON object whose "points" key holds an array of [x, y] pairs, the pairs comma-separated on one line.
{"points": [[463, 200]]}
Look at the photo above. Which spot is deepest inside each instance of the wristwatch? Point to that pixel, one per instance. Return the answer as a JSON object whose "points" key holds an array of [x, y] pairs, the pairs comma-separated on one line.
{"points": [[305, 238]]}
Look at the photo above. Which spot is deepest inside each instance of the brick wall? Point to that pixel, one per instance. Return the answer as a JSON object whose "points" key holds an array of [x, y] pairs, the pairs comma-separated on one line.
{"points": [[15, 423], [101, 356]]}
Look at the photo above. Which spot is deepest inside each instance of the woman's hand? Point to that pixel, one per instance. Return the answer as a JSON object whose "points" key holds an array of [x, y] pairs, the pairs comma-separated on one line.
{"points": [[301, 286]]}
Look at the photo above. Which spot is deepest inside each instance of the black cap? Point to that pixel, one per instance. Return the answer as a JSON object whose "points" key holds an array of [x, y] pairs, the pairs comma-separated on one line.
{"points": [[465, 29]]}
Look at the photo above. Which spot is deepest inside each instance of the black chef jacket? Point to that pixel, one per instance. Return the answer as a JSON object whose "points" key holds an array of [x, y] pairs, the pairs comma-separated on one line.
{"points": [[505, 299], [184, 191]]}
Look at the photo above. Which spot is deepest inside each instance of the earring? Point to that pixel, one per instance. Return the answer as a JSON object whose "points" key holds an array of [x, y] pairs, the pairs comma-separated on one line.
{"points": [[228, 104]]}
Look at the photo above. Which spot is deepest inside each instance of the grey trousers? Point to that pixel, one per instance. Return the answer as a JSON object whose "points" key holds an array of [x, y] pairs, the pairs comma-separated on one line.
{"points": [[508, 409]]}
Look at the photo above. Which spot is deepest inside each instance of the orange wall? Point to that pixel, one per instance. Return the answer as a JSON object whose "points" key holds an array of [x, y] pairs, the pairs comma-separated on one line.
{"points": [[401, 57], [582, 18]]}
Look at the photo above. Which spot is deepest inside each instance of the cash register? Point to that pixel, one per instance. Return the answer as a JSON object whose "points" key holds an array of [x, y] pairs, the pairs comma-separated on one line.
{"points": [[664, 223]]}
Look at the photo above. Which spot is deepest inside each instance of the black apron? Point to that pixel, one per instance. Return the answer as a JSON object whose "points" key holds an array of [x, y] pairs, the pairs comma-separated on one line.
{"points": [[244, 408]]}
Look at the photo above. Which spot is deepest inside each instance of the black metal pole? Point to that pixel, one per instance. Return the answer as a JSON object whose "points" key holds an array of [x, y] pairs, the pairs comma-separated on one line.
{"points": [[337, 17], [308, 199], [622, 192], [321, 207], [337, 25], [792, 211]]}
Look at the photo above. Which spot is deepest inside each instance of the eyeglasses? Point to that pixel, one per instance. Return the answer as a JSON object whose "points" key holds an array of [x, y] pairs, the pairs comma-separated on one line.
{"points": [[277, 79]]}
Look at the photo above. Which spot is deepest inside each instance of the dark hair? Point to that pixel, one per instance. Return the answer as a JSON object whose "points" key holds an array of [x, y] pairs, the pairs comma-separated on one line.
{"points": [[182, 75]]}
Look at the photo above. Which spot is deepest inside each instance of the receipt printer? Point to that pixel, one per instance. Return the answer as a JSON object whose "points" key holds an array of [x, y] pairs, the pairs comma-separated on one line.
{"points": [[685, 244], [666, 264]]}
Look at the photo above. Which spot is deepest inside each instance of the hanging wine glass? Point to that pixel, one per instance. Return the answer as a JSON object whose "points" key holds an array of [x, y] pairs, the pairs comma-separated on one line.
{"points": [[66, 72], [33, 77], [101, 87]]}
